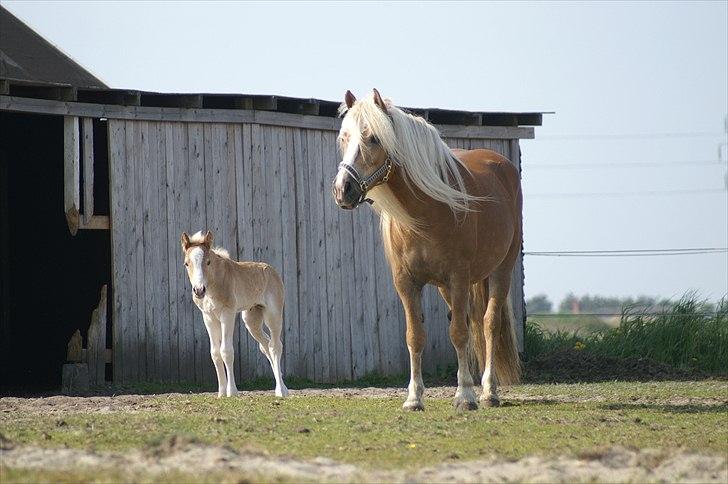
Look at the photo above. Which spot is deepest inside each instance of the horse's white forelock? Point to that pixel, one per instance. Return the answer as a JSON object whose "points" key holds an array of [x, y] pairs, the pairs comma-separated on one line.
{"points": [[415, 146]]}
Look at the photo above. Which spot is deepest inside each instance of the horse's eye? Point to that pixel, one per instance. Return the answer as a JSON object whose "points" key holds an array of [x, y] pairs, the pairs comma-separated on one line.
{"points": [[208, 262], [185, 264], [374, 140]]}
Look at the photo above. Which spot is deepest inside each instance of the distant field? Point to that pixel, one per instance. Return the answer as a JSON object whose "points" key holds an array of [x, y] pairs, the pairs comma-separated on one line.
{"points": [[575, 323]]}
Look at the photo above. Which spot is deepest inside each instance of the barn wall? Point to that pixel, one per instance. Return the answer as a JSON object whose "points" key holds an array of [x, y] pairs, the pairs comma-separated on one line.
{"points": [[264, 192]]}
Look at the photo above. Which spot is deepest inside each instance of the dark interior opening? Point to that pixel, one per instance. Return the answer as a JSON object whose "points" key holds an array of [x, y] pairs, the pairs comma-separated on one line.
{"points": [[49, 279]]}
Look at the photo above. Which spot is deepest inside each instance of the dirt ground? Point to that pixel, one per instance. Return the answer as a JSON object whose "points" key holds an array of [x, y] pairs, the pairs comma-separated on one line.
{"points": [[610, 464], [613, 464]]}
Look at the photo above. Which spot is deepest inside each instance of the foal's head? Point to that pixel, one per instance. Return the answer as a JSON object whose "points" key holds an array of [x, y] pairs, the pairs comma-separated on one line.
{"points": [[365, 163], [197, 251]]}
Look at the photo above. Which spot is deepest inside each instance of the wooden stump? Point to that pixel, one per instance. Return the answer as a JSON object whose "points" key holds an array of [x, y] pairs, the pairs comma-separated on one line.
{"points": [[74, 379]]}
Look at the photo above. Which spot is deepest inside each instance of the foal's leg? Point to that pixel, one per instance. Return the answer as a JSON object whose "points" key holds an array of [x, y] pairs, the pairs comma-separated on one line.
{"points": [[253, 319], [410, 292], [215, 333], [498, 285], [227, 321], [274, 320], [460, 335]]}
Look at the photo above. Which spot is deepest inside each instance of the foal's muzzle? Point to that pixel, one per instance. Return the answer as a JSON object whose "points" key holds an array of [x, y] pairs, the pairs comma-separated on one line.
{"points": [[199, 291]]}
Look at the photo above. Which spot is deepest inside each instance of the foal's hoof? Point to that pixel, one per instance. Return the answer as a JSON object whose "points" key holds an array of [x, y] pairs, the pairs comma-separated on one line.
{"points": [[282, 392], [490, 401], [414, 406], [464, 405]]}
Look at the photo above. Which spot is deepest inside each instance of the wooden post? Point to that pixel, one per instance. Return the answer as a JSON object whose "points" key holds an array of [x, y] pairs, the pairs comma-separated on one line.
{"points": [[88, 170], [96, 353], [71, 172]]}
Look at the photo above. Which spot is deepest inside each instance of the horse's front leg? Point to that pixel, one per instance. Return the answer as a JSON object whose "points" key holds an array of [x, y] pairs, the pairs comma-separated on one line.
{"points": [[410, 292], [214, 331], [460, 335], [227, 321]]}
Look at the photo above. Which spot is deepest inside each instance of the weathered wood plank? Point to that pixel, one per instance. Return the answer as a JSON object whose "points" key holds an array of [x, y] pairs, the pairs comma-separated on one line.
{"points": [[275, 144], [96, 354], [88, 170], [290, 253], [135, 141], [120, 218], [517, 293], [198, 221], [71, 172], [241, 152], [301, 366], [259, 191]]}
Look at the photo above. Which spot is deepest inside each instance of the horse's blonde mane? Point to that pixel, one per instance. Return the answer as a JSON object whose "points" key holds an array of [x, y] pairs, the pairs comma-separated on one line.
{"points": [[415, 146], [199, 238]]}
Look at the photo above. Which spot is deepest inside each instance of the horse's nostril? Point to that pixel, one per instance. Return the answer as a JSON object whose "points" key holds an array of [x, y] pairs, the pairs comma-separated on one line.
{"points": [[347, 187]]}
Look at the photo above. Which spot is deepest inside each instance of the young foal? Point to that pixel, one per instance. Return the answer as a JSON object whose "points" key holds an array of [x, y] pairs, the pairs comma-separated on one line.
{"points": [[221, 288], [451, 218]]}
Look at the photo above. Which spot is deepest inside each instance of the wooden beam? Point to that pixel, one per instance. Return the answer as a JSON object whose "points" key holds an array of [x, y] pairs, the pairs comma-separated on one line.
{"points": [[4, 87], [96, 354], [71, 172], [146, 113], [97, 222], [88, 170]]}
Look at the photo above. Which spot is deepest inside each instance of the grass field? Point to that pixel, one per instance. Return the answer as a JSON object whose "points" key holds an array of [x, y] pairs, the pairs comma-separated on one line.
{"points": [[367, 428]]}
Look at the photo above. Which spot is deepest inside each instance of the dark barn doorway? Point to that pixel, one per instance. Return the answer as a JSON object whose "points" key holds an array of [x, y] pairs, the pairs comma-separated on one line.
{"points": [[49, 280]]}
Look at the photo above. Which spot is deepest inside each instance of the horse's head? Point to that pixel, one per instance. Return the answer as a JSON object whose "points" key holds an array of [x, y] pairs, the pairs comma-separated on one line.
{"points": [[197, 250], [365, 163]]}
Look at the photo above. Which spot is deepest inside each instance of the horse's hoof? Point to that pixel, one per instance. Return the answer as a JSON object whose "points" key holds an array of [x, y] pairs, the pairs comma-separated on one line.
{"points": [[233, 394], [490, 401], [413, 406], [464, 405]]}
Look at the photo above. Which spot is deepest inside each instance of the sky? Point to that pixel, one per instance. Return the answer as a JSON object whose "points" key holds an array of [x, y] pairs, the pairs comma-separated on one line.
{"points": [[630, 159]]}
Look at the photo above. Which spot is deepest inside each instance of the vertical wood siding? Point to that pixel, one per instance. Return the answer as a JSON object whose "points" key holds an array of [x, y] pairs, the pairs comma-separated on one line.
{"points": [[264, 192]]}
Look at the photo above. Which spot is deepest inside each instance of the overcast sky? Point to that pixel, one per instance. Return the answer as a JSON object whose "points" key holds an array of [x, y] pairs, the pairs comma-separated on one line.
{"points": [[642, 84]]}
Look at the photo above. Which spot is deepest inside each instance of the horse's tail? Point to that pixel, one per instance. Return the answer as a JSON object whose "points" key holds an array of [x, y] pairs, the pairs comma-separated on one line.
{"points": [[507, 361]]}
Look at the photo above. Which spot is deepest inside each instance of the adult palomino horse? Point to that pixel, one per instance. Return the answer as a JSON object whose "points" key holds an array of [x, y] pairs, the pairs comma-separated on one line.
{"points": [[448, 218], [221, 288]]}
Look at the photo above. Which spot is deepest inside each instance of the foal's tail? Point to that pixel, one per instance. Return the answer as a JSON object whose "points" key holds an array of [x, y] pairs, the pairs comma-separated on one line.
{"points": [[507, 361]]}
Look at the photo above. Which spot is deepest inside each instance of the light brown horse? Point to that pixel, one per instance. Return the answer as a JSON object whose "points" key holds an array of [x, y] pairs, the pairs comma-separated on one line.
{"points": [[451, 218]]}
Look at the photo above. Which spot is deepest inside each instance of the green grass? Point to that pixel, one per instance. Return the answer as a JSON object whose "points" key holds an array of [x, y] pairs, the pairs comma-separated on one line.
{"points": [[683, 336], [536, 419]]}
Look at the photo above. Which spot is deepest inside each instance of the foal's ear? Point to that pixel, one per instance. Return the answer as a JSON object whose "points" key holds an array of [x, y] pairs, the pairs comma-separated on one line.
{"points": [[379, 101], [349, 99], [208, 239], [185, 241]]}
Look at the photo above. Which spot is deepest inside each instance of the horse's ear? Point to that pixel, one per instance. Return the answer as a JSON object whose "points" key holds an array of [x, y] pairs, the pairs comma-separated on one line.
{"points": [[185, 241], [349, 99], [379, 101], [208, 239]]}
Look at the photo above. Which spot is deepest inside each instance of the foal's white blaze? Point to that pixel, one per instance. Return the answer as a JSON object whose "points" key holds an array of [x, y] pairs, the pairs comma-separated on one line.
{"points": [[198, 280]]}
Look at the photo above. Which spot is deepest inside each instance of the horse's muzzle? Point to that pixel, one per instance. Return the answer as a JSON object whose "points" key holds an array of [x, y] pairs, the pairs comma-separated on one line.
{"points": [[346, 191]]}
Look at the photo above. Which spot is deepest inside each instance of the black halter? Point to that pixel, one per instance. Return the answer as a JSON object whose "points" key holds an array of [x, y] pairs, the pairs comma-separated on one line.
{"points": [[380, 175]]}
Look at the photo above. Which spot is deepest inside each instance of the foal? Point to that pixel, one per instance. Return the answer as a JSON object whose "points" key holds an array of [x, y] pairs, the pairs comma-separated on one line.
{"points": [[221, 288]]}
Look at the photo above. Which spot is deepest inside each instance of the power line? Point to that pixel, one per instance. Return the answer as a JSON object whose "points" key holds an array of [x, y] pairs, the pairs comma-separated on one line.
{"points": [[628, 252], [643, 193], [622, 136], [559, 315], [534, 165]]}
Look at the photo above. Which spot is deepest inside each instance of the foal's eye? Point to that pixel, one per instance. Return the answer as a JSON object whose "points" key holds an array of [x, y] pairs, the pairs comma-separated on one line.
{"points": [[208, 262], [185, 264]]}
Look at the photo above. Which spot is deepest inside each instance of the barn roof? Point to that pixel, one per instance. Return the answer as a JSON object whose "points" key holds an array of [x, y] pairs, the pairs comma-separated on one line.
{"points": [[257, 102], [27, 56]]}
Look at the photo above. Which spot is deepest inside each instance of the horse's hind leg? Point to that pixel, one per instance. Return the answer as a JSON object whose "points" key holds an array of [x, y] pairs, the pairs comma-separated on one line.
{"points": [[410, 293], [273, 317], [457, 298]]}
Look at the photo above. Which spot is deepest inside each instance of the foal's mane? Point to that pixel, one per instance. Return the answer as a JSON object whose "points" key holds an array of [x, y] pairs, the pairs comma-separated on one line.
{"points": [[414, 145], [198, 240]]}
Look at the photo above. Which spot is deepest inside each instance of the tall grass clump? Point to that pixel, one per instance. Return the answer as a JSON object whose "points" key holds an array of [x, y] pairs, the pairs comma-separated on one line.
{"points": [[687, 334]]}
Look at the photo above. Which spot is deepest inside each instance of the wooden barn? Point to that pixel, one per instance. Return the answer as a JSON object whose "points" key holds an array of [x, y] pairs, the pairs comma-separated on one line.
{"points": [[97, 184]]}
